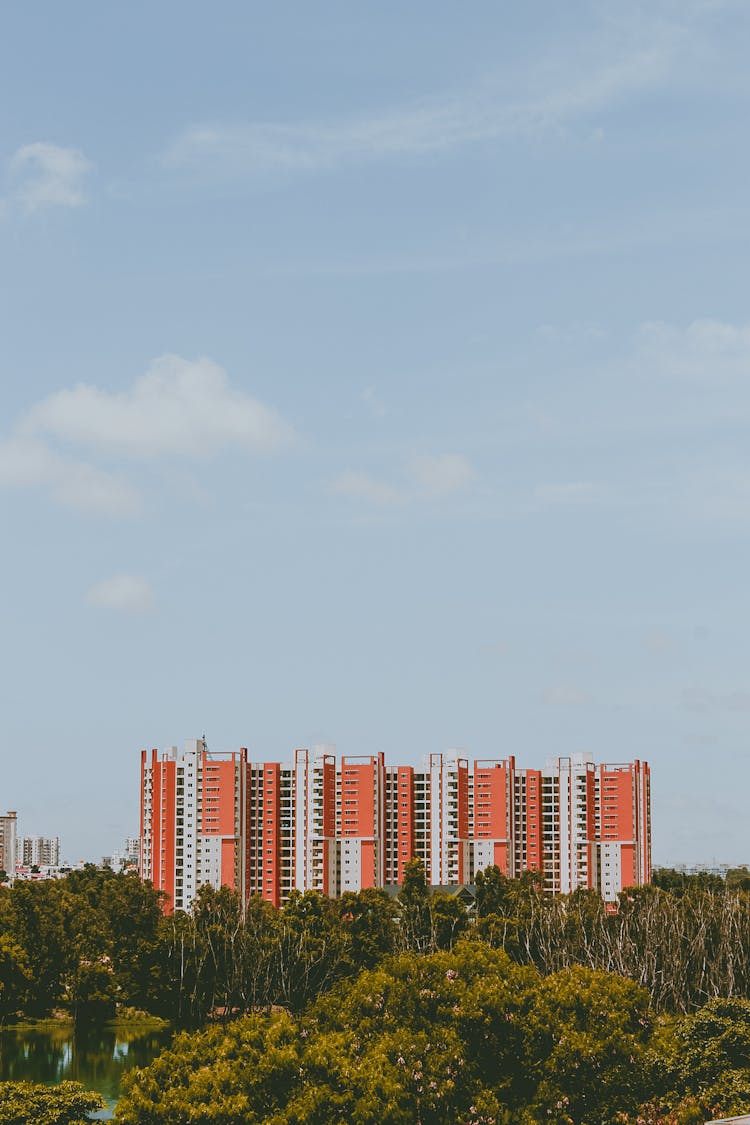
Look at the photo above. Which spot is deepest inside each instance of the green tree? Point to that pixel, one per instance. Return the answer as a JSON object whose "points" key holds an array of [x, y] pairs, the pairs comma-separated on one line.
{"points": [[369, 921], [465, 1036], [713, 1055], [311, 951], [133, 913], [15, 978], [588, 1036], [448, 920], [414, 907], [37, 924], [22, 1103], [738, 878], [493, 891], [236, 1075]]}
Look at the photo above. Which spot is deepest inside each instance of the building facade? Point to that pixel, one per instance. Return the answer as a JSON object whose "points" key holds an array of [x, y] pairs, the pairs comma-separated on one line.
{"points": [[335, 826], [8, 830], [39, 851]]}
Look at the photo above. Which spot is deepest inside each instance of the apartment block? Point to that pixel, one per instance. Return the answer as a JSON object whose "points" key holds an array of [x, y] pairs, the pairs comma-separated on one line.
{"points": [[39, 851], [330, 825], [192, 820], [8, 831]]}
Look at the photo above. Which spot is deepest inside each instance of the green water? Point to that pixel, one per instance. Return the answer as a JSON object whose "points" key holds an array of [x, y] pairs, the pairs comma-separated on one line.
{"points": [[97, 1059]]}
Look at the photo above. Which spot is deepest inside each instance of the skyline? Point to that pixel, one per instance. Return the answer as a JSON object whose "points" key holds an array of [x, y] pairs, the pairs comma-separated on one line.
{"points": [[379, 378]]}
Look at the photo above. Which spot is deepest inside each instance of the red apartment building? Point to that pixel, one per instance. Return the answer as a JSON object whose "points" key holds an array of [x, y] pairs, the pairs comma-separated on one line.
{"points": [[318, 824]]}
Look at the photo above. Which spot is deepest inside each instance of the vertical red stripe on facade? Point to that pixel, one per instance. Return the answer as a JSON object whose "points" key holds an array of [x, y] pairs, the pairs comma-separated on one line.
{"points": [[534, 821], [493, 785], [270, 860], [405, 847]]}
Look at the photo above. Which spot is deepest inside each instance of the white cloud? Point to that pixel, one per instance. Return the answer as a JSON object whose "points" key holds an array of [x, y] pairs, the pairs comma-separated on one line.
{"points": [[127, 593], [442, 474], [364, 487], [47, 175], [25, 462], [179, 407]]}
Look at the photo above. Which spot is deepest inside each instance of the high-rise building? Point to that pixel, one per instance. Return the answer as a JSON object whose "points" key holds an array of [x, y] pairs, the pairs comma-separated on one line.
{"points": [[192, 820], [8, 828], [317, 824], [39, 851]]}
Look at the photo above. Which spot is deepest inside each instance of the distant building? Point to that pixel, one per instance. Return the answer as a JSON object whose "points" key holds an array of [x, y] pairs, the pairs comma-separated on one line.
{"points": [[38, 851], [127, 857], [319, 824], [719, 869], [8, 827]]}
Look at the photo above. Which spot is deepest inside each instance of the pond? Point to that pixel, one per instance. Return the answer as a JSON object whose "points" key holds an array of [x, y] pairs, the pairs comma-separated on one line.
{"points": [[96, 1058]]}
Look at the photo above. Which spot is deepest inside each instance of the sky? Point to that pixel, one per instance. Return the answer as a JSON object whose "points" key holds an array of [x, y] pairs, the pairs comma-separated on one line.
{"points": [[375, 374]]}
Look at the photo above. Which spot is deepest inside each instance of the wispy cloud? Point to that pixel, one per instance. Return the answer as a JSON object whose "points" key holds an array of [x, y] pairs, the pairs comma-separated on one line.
{"points": [[442, 474], [27, 463], [426, 476], [48, 175], [362, 486], [704, 349], [373, 403], [480, 114], [567, 492], [126, 593]]}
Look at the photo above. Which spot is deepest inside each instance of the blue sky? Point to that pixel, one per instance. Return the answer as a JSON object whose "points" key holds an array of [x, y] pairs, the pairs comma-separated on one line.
{"points": [[375, 374]]}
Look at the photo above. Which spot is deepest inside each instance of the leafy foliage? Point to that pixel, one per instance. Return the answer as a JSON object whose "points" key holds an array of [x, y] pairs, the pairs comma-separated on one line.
{"points": [[466, 1036], [23, 1103]]}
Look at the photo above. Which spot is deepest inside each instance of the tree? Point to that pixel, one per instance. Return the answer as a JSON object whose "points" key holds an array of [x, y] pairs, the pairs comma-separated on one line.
{"points": [[493, 891], [448, 920], [713, 1053], [414, 907], [589, 1032], [37, 924], [15, 978], [311, 950], [369, 921], [235, 1075], [465, 1036], [738, 878], [23, 1103], [133, 912]]}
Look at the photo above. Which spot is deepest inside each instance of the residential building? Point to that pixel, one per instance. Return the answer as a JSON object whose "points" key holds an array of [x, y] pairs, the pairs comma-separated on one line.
{"points": [[335, 826], [8, 829], [192, 820], [38, 851]]}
